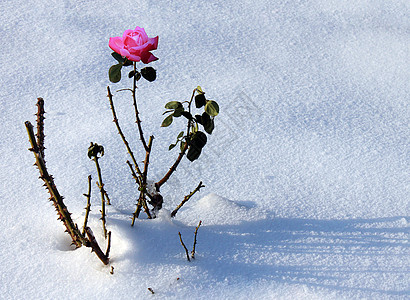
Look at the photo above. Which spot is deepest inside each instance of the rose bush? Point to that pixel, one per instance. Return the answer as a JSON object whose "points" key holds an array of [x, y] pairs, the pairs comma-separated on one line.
{"points": [[135, 45]]}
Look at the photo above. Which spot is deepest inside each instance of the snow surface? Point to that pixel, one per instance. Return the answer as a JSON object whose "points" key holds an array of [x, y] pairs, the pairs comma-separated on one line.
{"points": [[306, 174]]}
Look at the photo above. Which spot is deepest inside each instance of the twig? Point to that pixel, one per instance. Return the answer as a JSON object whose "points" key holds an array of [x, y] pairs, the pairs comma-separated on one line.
{"points": [[57, 200], [183, 245], [103, 193], [137, 118], [142, 202], [173, 168], [186, 198], [62, 211], [40, 125], [107, 252], [134, 175], [181, 154], [115, 120], [193, 248], [95, 247], [88, 208], [146, 161]]}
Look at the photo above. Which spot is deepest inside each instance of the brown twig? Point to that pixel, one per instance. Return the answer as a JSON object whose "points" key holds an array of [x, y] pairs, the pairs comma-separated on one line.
{"points": [[40, 126], [107, 252], [55, 197], [62, 211], [95, 247], [146, 161], [88, 207], [142, 202], [134, 175], [137, 118], [100, 185], [183, 245], [193, 248], [115, 120], [181, 154], [186, 198]]}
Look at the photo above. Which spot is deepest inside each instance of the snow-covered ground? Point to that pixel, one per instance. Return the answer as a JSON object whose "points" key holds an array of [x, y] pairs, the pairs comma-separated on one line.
{"points": [[306, 174]]}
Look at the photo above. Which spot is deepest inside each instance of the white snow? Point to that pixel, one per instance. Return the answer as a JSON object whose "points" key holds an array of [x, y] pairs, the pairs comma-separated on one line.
{"points": [[306, 174]]}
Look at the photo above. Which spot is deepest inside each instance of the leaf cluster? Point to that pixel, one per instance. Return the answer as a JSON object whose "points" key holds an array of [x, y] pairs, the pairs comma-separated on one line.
{"points": [[114, 72], [194, 137]]}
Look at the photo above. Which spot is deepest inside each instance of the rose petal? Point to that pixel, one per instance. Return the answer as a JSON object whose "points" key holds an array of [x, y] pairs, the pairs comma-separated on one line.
{"points": [[126, 33], [130, 42], [152, 44], [142, 32], [124, 52], [133, 57], [116, 44], [147, 57], [138, 49]]}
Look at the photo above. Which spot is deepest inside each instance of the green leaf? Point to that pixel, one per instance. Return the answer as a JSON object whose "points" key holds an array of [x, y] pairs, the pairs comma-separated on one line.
{"points": [[131, 74], [118, 57], [212, 108], [187, 115], [209, 126], [198, 140], [173, 105], [115, 73], [198, 118], [208, 123], [193, 153], [167, 121], [180, 135], [205, 118], [178, 112], [200, 100], [171, 147], [149, 73]]}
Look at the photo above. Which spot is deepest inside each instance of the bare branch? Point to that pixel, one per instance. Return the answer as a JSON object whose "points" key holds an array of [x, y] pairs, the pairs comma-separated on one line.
{"points": [[115, 120], [183, 245], [186, 198], [88, 207], [95, 247], [193, 248]]}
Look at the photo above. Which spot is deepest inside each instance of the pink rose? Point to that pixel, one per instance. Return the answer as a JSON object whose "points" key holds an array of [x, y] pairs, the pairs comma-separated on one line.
{"points": [[135, 45]]}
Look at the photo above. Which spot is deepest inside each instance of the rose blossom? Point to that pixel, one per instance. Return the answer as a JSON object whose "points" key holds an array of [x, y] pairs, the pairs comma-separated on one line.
{"points": [[135, 45]]}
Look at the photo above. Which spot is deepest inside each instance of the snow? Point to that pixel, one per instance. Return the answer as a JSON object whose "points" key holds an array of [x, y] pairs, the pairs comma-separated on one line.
{"points": [[306, 174]]}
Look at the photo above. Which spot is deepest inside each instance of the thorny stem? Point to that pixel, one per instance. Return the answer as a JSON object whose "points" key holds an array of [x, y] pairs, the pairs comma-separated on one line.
{"points": [[193, 248], [141, 181], [182, 153], [146, 161], [142, 202], [71, 228], [134, 175], [186, 198], [107, 252], [134, 161], [57, 200], [138, 121], [95, 247], [103, 193], [40, 125], [88, 208], [183, 245]]}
